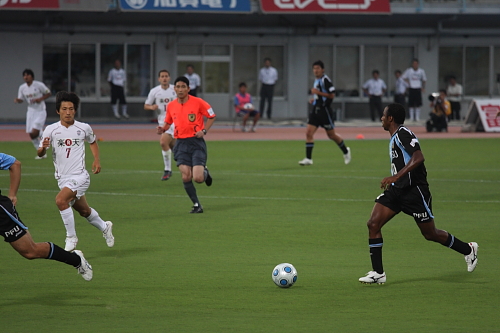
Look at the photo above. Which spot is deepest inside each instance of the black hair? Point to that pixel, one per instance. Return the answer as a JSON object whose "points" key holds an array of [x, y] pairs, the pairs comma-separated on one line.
{"points": [[443, 91], [397, 71], [163, 71], [189, 65], [375, 71], [319, 63], [242, 84], [397, 112], [64, 96], [29, 72], [182, 79]]}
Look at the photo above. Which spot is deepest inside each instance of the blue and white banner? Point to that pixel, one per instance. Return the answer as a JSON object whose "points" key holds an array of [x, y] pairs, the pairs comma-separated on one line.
{"points": [[215, 6]]}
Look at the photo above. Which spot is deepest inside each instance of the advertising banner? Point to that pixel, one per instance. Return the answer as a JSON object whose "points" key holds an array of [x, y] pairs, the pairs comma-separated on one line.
{"points": [[213, 6], [326, 6], [61, 5], [482, 115]]}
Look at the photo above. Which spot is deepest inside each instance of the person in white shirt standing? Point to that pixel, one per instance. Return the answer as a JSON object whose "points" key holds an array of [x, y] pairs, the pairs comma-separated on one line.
{"points": [[157, 101], [67, 138], [401, 87], [416, 78], [454, 93], [194, 80], [375, 88], [268, 76], [34, 93], [117, 79]]}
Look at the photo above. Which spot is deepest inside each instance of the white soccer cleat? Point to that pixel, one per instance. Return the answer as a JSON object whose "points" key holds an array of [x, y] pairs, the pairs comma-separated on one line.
{"points": [[373, 277], [40, 157], [108, 235], [71, 243], [306, 161], [347, 157], [471, 259], [85, 270]]}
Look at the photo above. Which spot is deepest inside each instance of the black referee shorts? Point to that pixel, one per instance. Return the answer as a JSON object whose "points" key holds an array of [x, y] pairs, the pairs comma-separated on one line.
{"points": [[11, 226], [415, 201], [190, 151]]}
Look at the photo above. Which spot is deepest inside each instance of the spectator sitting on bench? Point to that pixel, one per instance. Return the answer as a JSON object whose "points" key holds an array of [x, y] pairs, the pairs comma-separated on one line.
{"points": [[244, 107]]}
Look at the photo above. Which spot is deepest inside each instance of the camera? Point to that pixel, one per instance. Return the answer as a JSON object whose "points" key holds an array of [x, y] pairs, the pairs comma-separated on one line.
{"points": [[434, 97]]}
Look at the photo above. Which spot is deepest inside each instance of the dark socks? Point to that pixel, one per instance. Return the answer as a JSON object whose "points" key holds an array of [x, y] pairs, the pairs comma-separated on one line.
{"points": [[309, 149], [342, 147], [456, 244], [376, 254], [58, 254], [191, 192]]}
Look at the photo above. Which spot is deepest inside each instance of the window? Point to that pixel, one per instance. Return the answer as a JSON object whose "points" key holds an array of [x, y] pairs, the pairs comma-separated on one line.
{"points": [[376, 57], [275, 53], [138, 70], [401, 57], [325, 54], [450, 64], [347, 71], [477, 61], [496, 71], [109, 53], [82, 78], [55, 67], [245, 67]]}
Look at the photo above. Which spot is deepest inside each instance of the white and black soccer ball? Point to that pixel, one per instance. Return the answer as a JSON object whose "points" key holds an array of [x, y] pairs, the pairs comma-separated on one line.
{"points": [[284, 275], [248, 106]]}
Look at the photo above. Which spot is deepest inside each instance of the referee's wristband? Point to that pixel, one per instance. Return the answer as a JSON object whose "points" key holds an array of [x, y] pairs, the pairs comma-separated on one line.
{"points": [[204, 131]]}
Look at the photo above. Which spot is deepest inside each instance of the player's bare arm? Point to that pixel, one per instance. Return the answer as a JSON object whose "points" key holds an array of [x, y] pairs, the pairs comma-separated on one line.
{"points": [[96, 165], [208, 124], [150, 107], [18, 100], [45, 145], [15, 181], [44, 97], [161, 130], [416, 159]]}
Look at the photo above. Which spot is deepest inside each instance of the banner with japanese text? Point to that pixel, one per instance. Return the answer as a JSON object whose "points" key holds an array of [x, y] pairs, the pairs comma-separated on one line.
{"points": [[325, 6], [218, 6], [488, 110], [62, 5]]}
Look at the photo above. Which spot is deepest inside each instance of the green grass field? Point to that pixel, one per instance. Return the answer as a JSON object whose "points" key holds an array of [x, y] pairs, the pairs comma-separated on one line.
{"points": [[171, 271]]}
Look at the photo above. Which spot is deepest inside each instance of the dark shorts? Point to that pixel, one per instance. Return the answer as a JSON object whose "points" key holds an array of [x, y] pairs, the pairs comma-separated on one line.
{"points": [[415, 97], [117, 93], [253, 113], [11, 226], [415, 201], [321, 117], [190, 151]]}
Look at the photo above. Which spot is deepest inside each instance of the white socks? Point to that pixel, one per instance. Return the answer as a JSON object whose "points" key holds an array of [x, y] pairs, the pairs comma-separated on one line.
{"points": [[124, 110], [69, 221], [115, 110], [167, 159], [415, 114], [96, 220]]}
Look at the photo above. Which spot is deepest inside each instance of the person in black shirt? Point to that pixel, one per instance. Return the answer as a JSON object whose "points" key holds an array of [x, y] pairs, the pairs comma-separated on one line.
{"points": [[406, 190], [321, 114]]}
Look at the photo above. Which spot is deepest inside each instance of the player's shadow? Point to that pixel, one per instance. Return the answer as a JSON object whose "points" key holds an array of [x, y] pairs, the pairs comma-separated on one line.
{"points": [[117, 252], [58, 299], [458, 277]]}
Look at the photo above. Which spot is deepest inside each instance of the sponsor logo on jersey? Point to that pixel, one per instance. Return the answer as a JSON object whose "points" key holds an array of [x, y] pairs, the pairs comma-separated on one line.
{"points": [[394, 154], [421, 216], [13, 231], [68, 142]]}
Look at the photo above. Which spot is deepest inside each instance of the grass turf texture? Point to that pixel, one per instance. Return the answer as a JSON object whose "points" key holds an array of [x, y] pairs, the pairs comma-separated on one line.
{"points": [[171, 271]]}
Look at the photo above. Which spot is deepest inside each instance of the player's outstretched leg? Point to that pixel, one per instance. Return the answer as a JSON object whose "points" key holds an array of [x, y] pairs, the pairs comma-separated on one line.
{"points": [[85, 270], [471, 259]]}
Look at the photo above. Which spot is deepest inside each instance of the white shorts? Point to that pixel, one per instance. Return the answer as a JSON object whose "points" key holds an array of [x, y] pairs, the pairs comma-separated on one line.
{"points": [[161, 122], [78, 183], [35, 120]]}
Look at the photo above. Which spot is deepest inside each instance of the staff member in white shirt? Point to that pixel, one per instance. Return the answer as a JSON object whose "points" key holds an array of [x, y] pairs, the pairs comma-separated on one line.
{"points": [[34, 93], [117, 79], [157, 101], [454, 93], [268, 76], [194, 80], [401, 87], [416, 78], [375, 88]]}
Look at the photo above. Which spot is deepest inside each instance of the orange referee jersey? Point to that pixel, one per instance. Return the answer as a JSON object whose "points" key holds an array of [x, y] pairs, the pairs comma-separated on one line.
{"points": [[188, 117]]}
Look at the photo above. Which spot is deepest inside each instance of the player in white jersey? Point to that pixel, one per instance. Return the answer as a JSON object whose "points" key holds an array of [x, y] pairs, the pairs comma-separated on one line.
{"points": [[157, 101], [67, 138], [117, 79], [416, 78], [34, 93]]}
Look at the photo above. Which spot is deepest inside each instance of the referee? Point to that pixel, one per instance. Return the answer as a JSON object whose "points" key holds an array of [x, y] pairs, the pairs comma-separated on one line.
{"points": [[268, 76], [375, 88]]}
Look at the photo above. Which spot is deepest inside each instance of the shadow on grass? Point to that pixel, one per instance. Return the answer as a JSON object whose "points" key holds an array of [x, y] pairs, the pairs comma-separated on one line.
{"points": [[458, 277]]}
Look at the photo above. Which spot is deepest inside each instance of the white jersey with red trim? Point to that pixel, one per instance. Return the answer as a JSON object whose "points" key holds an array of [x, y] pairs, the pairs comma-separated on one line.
{"points": [[32, 92], [68, 144]]}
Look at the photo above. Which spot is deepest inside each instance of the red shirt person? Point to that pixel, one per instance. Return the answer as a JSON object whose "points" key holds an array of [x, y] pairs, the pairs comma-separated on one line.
{"points": [[190, 151]]}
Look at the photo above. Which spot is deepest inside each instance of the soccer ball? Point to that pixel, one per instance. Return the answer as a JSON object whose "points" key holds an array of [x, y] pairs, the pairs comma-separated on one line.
{"points": [[284, 275], [248, 106]]}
